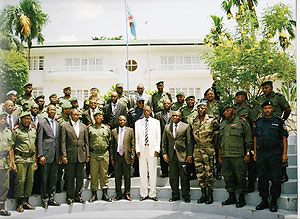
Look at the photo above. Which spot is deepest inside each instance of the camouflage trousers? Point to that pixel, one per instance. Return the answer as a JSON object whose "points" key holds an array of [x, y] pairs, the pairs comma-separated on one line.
{"points": [[4, 176], [204, 163]]}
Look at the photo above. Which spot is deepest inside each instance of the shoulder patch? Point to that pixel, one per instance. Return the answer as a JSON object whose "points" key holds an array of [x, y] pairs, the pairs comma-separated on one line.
{"points": [[17, 126], [242, 118]]}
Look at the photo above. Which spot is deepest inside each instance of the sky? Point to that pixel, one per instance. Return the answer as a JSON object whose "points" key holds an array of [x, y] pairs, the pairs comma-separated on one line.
{"points": [[80, 20]]}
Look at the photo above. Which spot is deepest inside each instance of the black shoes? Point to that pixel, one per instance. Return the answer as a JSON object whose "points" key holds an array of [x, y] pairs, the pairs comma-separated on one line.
{"points": [[164, 175], [173, 199], [210, 198], [241, 202], [143, 198], [53, 203], [105, 197], [263, 205], [28, 206], [273, 205], [4, 212], [69, 201], [203, 197], [153, 198], [94, 196], [231, 200], [79, 199], [45, 205], [187, 200]]}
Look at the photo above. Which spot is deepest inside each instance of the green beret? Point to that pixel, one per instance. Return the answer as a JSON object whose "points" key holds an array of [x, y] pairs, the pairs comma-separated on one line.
{"points": [[179, 94], [3, 114], [119, 85], [160, 82], [267, 83], [25, 113], [227, 106], [27, 84], [65, 88], [73, 99], [98, 112], [241, 93], [66, 105], [191, 96], [267, 103], [52, 95], [38, 97]]}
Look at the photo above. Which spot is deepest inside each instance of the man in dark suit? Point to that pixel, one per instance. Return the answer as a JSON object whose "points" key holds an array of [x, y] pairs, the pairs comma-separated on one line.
{"points": [[88, 115], [164, 118], [48, 147], [123, 153], [75, 152], [112, 111], [177, 151]]}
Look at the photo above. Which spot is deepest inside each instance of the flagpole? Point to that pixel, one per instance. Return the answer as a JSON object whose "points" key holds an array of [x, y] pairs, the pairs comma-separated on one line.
{"points": [[127, 66]]}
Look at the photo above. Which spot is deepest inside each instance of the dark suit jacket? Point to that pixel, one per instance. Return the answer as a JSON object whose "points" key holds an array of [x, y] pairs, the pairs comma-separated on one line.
{"points": [[75, 149], [182, 142], [109, 118], [128, 144], [163, 119], [86, 118], [15, 121], [48, 145]]}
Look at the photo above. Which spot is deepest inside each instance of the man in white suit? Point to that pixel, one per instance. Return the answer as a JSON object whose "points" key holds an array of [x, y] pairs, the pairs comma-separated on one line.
{"points": [[147, 136]]}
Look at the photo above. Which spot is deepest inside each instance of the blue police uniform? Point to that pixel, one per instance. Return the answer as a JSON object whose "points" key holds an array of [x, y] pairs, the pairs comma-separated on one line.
{"points": [[269, 133]]}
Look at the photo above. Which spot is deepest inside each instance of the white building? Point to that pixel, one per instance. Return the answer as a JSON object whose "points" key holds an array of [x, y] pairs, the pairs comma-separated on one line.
{"points": [[82, 65]]}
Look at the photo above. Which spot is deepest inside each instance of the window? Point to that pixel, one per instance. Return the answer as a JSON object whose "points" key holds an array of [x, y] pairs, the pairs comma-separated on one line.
{"points": [[36, 63], [84, 64], [36, 91], [180, 62], [187, 91], [81, 95], [131, 65]]}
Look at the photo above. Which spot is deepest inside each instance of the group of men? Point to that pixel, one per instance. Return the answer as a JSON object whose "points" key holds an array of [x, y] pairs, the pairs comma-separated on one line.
{"points": [[44, 144]]}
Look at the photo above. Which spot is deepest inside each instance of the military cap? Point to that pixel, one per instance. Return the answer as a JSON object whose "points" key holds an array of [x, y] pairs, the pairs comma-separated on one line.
{"points": [[38, 97], [65, 88], [98, 112], [201, 104], [66, 105], [179, 94], [241, 93], [25, 113], [267, 83], [119, 85], [229, 105], [94, 87], [73, 99], [3, 114], [27, 84], [191, 96], [52, 95], [140, 98], [11, 92], [160, 82], [267, 103]]}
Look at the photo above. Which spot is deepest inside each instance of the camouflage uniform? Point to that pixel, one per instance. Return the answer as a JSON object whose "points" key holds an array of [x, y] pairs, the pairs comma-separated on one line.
{"points": [[99, 141], [100, 102], [157, 101], [188, 116], [176, 106], [5, 146], [63, 100], [215, 110], [63, 119], [25, 102], [204, 150]]}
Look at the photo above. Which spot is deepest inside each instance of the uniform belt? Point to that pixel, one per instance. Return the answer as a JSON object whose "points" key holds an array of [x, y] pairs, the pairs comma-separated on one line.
{"points": [[147, 145], [22, 154], [99, 151]]}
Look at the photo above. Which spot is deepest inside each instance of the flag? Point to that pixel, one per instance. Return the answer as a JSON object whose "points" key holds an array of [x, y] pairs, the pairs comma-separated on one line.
{"points": [[131, 21]]}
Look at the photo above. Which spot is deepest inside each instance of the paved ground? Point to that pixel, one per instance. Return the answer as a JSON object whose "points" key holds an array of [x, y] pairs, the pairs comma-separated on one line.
{"points": [[132, 214]]}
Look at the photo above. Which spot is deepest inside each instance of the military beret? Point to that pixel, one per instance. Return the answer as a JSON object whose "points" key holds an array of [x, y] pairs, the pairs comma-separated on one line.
{"points": [[3, 114], [201, 104], [209, 89], [38, 97], [66, 105], [179, 94], [52, 95], [227, 106], [267, 83], [98, 112], [119, 85], [25, 113], [73, 99], [65, 88], [191, 96], [160, 82], [241, 93], [267, 103], [11, 92], [140, 98], [94, 87], [27, 84]]}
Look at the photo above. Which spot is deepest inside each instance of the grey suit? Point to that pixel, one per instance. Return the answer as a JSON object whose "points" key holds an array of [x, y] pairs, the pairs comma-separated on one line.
{"points": [[48, 145], [178, 148], [76, 149], [110, 118], [86, 118]]}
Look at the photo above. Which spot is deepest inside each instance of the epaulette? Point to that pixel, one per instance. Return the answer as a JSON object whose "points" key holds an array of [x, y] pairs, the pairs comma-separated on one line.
{"points": [[17, 126], [242, 118], [279, 94]]}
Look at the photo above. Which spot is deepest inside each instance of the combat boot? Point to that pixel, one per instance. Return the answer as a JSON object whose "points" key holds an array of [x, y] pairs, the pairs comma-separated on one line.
{"points": [[105, 197], [26, 204], [231, 199], [4, 212], [263, 205], [94, 196], [210, 198], [20, 205], [241, 202], [203, 197], [273, 205]]}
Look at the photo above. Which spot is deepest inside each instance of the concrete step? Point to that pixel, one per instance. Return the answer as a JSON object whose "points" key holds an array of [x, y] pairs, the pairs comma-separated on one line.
{"points": [[292, 172], [292, 144], [292, 159], [99, 207]]}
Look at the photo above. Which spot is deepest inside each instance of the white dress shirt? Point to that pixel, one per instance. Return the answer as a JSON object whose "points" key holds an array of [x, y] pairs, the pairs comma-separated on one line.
{"points": [[114, 107], [121, 138], [175, 128], [92, 111], [52, 124], [76, 127]]}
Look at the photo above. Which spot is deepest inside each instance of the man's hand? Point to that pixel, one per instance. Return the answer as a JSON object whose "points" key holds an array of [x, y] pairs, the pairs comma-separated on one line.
{"points": [[112, 162], [284, 158], [13, 167], [35, 166], [65, 160], [166, 158], [42, 160], [155, 153], [219, 160], [247, 158], [87, 159], [189, 159], [59, 161], [254, 157], [132, 162], [138, 154]]}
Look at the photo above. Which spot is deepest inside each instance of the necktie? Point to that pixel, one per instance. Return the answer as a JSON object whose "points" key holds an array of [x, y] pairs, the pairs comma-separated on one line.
{"points": [[121, 152], [146, 132], [52, 126], [176, 125], [114, 108], [9, 122]]}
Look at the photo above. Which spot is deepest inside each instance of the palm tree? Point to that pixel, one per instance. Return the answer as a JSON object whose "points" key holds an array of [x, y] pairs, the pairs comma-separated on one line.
{"points": [[228, 4]]}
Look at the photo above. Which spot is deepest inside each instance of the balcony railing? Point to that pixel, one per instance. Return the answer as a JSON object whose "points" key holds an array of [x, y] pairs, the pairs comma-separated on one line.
{"points": [[178, 67], [85, 68]]}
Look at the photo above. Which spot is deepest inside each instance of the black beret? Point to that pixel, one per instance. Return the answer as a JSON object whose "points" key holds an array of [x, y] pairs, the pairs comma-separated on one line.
{"points": [[267, 83], [191, 96], [27, 84], [160, 82], [267, 103]]}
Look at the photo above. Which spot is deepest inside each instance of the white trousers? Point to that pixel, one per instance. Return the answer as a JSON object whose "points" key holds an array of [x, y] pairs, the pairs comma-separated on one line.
{"points": [[147, 164]]}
